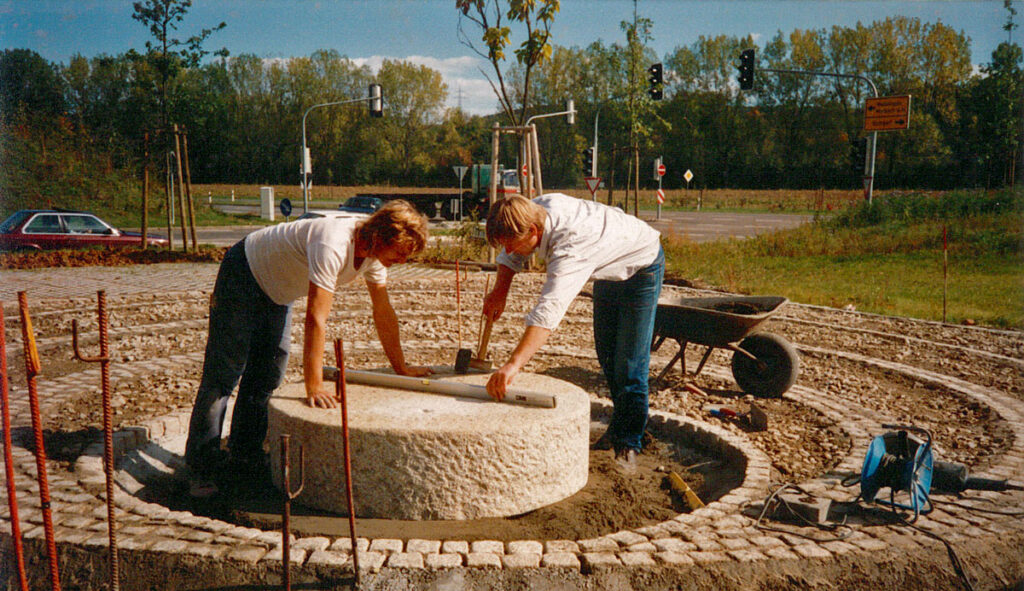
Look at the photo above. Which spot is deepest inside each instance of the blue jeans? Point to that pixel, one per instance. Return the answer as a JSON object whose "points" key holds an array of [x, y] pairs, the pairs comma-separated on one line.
{"points": [[249, 340], [623, 327]]}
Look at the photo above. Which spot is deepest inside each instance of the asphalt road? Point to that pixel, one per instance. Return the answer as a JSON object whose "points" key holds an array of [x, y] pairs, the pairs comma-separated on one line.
{"points": [[699, 226]]}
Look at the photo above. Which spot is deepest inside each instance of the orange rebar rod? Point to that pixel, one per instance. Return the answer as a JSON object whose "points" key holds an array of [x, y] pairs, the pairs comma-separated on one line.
{"points": [[12, 499], [32, 367], [339, 388]]}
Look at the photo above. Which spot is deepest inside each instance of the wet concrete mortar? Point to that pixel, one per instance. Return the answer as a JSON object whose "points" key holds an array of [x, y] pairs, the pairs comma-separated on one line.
{"points": [[858, 372]]}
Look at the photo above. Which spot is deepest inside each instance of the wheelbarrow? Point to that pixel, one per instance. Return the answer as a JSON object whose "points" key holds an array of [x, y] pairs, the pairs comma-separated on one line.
{"points": [[763, 364]]}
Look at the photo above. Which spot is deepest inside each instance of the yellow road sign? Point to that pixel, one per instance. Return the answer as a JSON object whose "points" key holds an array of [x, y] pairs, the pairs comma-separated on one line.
{"points": [[888, 113]]}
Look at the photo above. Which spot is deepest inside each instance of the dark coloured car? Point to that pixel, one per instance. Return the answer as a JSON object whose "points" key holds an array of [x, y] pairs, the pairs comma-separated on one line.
{"points": [[31, 229], [361, 204]]}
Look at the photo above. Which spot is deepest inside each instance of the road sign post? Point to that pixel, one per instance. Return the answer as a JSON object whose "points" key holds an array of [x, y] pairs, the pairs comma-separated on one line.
{"points": [[659, 172], [461, 172], [593, 182]]}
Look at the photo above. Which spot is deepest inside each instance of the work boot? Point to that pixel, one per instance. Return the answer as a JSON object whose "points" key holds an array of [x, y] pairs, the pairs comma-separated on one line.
{"points": [[626, 460]]}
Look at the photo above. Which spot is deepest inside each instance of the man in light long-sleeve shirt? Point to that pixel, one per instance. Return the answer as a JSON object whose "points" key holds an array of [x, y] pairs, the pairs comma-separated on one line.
{"points": [[580, 240]]}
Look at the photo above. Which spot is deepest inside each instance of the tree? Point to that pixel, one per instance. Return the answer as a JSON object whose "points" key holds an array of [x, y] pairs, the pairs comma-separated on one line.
{"points": [[171, 54], [536, 16], [29, 86]]}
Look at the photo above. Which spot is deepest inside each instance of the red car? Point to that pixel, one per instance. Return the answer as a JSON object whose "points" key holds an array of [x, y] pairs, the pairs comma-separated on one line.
{"points": [[31, 229]]}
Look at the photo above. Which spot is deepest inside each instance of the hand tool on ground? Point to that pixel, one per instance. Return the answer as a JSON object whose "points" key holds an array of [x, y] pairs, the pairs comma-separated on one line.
{"points": [[387, 380], [464, 360], [12, 499], [339, 391], [954, 478], [32, 368], [755, 418], [679, 486]]}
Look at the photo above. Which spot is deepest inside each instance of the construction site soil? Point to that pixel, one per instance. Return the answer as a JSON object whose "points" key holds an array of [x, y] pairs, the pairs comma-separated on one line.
{"points": [[800, 442]]}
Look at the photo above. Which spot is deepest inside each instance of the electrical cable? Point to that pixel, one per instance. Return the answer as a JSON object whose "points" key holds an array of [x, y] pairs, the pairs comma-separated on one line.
{"points": [[774, 496]]}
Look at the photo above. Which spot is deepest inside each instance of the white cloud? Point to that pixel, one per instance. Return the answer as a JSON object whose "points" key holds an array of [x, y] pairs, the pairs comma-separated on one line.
{"points": [[461, 73]]}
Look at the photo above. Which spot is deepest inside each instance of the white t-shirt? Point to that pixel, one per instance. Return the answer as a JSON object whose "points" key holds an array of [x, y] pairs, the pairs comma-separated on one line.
{"points": [[285, 258], [582, 240]]}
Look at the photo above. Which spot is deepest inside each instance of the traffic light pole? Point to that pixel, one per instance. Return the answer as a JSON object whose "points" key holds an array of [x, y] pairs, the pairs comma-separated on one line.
{"points": [[376, 110], [869, 158]]}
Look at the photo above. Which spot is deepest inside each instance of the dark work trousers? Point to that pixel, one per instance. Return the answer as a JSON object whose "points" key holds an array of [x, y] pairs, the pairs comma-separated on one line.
{"points": [[249, 340], [623, 327]]}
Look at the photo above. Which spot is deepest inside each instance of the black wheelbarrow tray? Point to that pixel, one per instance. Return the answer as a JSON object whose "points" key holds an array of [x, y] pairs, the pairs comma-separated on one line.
{"points": [[763, 364]]}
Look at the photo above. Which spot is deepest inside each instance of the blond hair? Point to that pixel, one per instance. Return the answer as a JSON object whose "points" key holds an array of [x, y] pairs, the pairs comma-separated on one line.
{"points": [[396, 223], [511, 218]]}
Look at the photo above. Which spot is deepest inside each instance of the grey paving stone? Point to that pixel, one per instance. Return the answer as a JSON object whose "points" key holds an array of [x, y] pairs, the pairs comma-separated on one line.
{"points": [[525, 547], [483, 560], [386, 545], [455, 547], [636, 558], [487, 547], [521, 560], [599, 560], [597, 545], [276, 554], [328, 558], [172, 546], [673, 558], [345, 545], [247, 553], [447, 560], [747, 555], [708, 556], [405, 560], [812, 551], [311, 544], [423, 546], [561, 546], [567, 560]]}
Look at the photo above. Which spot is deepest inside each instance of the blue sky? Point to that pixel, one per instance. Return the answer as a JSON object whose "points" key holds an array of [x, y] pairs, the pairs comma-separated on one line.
{"points": [[425, 31]]}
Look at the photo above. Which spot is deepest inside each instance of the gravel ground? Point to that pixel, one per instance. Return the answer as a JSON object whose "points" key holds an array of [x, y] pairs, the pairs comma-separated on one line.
{"points": [[801, 442]]}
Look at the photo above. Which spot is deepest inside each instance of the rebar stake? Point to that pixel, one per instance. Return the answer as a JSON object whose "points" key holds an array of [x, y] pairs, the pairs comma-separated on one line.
{"points": [[108, 426], [32, 368], [12, 499], [339, 389], [286, 533]]}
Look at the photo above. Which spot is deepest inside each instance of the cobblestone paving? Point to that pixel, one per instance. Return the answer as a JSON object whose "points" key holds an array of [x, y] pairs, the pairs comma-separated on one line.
{"points": [[720, 538]]}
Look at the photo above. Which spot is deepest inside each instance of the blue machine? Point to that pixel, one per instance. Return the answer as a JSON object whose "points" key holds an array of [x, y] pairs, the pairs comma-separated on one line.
{"points": [[900, 462]]}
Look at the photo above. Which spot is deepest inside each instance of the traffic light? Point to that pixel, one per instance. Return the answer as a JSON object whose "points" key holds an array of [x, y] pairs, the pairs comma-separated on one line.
{"points": [[376, 101], [859, 154], [746, 69], [656, 80], [588, 161]]}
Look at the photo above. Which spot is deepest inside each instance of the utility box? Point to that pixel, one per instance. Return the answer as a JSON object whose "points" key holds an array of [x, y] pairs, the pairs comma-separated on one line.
{"points": [[267, 203]]}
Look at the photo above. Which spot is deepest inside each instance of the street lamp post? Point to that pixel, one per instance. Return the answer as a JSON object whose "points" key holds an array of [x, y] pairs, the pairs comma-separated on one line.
{"points": [[376, 100]]}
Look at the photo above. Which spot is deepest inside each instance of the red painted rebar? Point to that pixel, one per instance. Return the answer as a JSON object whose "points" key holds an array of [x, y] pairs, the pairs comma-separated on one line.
{"points": [[108, 428], [32, 367], [286, 534], [12, 499], [339, 388]]}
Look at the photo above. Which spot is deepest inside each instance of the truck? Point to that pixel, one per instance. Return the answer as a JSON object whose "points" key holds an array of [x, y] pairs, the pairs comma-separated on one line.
{"points": [[452, 205]]}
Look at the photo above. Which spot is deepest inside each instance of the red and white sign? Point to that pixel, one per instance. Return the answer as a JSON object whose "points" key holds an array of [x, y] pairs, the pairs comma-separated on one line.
{"points": [[661, 170], [661, 195], [522, 171], [593, 182]]}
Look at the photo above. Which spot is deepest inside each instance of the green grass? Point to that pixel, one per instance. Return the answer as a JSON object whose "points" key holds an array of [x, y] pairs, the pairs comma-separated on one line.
{"points": [[887, 261]]}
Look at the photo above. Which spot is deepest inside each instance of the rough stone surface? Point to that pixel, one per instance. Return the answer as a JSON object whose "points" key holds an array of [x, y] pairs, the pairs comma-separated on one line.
{"points": [[422, 456]]}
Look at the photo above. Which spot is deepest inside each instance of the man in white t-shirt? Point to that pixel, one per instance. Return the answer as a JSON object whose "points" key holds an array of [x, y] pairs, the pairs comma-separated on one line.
{"points": [[250, 319], [581, 240]]}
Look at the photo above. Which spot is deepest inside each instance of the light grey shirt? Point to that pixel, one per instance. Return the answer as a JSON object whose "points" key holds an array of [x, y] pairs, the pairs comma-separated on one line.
{"points": [[287, 257], [583, 240]]}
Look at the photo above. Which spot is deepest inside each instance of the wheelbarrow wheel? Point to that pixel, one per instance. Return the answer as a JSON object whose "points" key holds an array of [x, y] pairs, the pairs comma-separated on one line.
{"points": [[775, 370]]}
